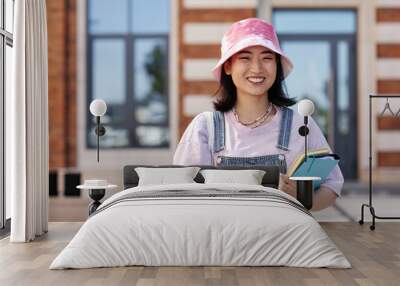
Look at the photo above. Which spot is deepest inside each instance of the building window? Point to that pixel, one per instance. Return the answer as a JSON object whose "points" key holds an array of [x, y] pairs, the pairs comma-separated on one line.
{"points": [[127, 66], [6, 44]]}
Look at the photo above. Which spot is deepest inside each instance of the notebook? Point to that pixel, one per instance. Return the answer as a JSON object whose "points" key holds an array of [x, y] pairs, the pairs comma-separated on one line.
{"points": [[317, 166], [300, 159]]}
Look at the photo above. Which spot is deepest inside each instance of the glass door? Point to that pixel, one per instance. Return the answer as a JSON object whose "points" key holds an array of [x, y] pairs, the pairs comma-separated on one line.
{"points": [[311, 79], [324, 61]]}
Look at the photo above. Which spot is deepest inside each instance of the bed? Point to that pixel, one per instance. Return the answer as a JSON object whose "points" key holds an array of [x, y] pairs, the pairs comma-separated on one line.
{"points": [[201, 224]]}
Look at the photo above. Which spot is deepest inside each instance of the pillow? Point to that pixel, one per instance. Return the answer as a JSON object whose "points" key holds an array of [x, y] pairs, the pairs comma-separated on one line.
{"points": [[163, 176], [249, 177]]}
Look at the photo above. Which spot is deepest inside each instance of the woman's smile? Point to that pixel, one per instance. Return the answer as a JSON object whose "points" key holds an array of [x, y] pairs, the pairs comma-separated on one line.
{"points": [[256, 80]]}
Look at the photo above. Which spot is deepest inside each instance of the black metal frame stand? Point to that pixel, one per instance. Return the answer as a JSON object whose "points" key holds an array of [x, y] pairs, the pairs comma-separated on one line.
{"points": [[370, 206]]}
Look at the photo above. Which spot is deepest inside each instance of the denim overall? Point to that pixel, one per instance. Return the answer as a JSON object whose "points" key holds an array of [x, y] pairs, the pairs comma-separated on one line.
{"points": [[266, 160]]}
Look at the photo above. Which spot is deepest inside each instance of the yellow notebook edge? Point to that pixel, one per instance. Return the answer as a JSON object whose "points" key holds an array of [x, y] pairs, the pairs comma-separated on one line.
{"points": [[300, 159]]}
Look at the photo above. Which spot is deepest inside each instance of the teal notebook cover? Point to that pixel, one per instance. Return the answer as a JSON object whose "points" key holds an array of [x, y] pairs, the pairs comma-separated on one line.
{"points": [[316, 167]]}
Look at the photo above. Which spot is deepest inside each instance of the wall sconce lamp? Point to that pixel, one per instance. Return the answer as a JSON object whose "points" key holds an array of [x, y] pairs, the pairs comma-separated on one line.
{"points": [[305, 108], [98, 108]]}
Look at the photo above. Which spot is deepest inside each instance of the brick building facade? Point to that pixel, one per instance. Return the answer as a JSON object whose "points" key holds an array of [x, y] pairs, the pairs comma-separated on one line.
{"points": [[61, 25], [388, 81], [196, 54]]}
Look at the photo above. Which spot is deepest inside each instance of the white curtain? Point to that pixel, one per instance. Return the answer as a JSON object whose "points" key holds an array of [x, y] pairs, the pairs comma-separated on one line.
{"points": [[27, 123]]}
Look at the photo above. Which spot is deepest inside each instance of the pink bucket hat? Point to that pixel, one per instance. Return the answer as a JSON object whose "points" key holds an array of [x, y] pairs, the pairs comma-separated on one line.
{"points": [[246, 33]]}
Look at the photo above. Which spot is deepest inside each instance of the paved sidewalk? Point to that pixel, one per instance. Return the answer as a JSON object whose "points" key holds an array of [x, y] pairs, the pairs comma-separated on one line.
{"points": [[386, 201]]}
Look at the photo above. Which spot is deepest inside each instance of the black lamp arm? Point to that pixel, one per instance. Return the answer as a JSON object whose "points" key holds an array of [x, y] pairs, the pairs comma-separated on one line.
{"points": [[100, 131], [303, 131]]}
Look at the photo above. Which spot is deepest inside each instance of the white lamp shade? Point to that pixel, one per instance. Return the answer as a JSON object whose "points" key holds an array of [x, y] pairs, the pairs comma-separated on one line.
{"points": [[305, 107], [98, 107]]}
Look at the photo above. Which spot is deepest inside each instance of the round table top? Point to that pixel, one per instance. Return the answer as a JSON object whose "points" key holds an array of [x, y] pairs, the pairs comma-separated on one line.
{"points": [[89, 187], [305, 178]]}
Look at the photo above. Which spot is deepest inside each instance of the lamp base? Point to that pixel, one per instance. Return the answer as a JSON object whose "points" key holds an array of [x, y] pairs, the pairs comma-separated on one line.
{"points": [[100, 130], [303, 130]]}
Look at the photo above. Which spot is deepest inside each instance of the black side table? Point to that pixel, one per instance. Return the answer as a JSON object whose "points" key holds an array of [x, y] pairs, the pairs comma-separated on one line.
{"points": [[96, 193], [305, 190]]}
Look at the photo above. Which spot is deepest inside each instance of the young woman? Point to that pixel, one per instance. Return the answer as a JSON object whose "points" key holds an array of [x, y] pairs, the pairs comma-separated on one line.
{"points": [[252, 124]]}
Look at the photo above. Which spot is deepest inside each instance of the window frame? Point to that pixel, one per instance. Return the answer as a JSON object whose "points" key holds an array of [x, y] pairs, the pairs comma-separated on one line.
{"points": [[319, 9], [129, 124]]}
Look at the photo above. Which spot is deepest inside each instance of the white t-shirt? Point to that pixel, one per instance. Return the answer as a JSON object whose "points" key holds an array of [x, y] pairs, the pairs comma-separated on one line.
{"points": [[243, 141]]}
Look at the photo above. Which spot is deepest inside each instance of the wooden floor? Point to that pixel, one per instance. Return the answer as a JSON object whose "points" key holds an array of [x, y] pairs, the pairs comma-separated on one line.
{"points": [[374, 255]]}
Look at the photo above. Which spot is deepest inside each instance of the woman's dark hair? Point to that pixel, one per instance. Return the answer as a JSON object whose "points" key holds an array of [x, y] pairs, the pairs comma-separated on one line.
{"points": [[226, 93]]}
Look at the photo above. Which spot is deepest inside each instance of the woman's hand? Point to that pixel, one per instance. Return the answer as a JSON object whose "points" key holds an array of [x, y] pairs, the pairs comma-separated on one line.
{"points": [[286, 185]]}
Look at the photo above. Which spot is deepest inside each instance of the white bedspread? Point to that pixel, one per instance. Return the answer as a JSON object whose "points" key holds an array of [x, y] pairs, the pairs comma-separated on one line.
{"points": [[200, 231]]}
